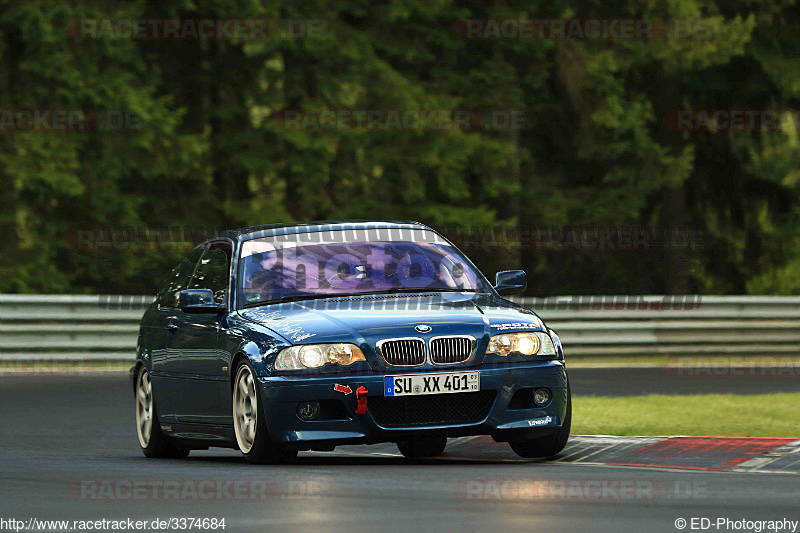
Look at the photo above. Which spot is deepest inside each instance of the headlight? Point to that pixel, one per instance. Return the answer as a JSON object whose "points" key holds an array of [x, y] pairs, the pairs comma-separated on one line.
{"points": [[317, 355], [521, 344]]}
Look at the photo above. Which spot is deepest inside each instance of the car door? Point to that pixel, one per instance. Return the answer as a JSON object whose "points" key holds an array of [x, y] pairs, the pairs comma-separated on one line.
{"points": [[200, 364], [162, 321]]}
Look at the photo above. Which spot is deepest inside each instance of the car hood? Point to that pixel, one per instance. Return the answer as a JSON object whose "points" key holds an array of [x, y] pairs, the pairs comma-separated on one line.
{"points": [[369, 318]]}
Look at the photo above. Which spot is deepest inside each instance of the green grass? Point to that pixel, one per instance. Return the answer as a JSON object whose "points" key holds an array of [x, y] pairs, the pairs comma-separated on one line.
{"points": [[758, 415]]}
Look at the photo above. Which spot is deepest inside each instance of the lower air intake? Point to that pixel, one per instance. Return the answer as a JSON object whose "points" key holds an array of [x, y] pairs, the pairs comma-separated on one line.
{"points": [[431, 410]]}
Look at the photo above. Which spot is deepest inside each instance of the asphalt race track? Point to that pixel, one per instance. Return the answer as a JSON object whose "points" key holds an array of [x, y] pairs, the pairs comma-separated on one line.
{"points": [[69, 452]]}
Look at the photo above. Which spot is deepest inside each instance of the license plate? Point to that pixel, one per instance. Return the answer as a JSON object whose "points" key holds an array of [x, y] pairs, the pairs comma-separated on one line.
{"points": [[419, 384]]}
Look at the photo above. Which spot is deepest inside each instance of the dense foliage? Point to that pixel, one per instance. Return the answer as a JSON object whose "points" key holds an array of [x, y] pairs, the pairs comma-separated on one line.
{"points": [[596, 147]]}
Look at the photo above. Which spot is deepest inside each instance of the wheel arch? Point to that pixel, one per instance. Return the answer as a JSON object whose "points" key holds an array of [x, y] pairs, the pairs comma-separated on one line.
{"points": [[134, 372], [238, 357], [259, 352]]}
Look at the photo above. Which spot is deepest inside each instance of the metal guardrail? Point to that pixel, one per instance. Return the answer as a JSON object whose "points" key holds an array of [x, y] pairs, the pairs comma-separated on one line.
{"points": [[70, 327], [104, 328], [657, 325]]}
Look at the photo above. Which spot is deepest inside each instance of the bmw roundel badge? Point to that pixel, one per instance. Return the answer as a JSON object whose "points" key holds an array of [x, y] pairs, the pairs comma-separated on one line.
{"points": [[423, 328]]}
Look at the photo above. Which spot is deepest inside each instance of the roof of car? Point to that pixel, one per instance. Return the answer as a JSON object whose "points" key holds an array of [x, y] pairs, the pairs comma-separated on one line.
{"points": [[267, 230]]}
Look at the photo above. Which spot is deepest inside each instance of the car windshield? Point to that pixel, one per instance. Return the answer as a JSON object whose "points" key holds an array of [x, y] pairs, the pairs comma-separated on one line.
{"points": [[310, 265]]}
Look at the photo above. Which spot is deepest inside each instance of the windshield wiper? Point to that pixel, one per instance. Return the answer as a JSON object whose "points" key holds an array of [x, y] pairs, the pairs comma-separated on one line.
{"points": [[420, 289], [318, 296], [284, 299]]}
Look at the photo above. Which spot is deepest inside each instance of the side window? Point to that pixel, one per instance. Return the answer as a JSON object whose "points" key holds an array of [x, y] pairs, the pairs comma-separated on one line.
{"points": [[212, 271], [179, 279]]}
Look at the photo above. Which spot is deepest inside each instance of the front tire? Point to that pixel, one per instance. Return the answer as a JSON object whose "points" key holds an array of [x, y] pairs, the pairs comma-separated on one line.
{"points": [[546, 446], [422, 448], [154, 442], [249, 422]]}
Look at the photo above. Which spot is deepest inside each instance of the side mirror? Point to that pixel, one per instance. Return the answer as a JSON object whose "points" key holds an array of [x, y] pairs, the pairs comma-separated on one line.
{"points": [[510, 282], [199, 301]]}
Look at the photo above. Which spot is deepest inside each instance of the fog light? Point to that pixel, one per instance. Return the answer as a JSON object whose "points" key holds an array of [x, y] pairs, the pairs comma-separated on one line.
{"points": [[308, 410], [541, 397]]}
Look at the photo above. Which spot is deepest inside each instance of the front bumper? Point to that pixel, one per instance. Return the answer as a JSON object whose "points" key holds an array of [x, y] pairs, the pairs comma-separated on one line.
{"points": [[281, 396]]}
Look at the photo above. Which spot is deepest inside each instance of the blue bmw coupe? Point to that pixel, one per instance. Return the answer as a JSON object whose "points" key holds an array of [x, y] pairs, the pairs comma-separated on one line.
{"points": [[280, 338]]}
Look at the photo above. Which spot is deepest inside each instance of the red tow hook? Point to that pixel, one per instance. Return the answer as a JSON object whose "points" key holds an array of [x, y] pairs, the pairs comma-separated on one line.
{"points": [[361, 400]]}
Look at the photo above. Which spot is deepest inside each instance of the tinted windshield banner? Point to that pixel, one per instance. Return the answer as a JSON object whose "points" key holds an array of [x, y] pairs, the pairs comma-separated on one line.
{"points": [[352, 262]]}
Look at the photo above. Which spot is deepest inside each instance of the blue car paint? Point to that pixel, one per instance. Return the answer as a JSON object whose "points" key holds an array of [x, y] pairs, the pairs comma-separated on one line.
{"points": [[192, 365]]}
